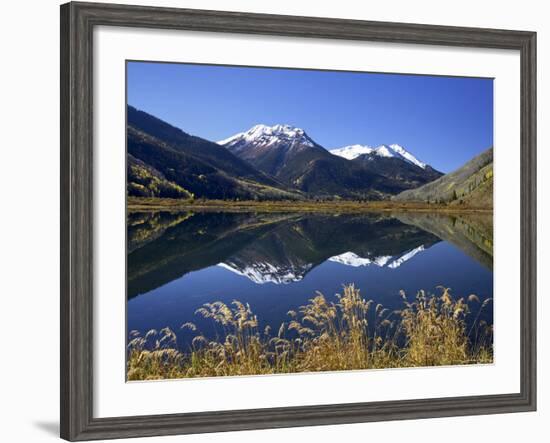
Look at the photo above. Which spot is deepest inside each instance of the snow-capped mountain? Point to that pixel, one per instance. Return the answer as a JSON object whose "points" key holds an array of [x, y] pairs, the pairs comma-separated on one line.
{"points": [[273, 149], [263, 135], [392, 151], [292, 157]]}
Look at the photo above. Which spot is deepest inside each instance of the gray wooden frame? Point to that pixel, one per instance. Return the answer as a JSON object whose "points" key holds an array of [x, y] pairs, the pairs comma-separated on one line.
{"points": [[77, 24]]}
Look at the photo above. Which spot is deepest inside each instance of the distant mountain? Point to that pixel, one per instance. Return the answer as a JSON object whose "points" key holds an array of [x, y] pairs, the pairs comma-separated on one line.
{"points": [[471, 184], [393, 162], [278, 162], [291, 156], [198, 166], [386, 151]]}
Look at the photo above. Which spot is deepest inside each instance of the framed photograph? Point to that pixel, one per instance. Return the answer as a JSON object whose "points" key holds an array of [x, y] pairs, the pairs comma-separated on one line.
{"points": [[272, 221]]}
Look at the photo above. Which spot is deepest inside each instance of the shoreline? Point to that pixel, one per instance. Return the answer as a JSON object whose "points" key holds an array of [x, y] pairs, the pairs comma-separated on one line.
{"points": [[136, 204]]}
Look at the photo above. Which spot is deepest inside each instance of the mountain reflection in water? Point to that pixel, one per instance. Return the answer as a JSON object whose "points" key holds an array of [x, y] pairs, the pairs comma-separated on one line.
{"points": [[276, 261]]}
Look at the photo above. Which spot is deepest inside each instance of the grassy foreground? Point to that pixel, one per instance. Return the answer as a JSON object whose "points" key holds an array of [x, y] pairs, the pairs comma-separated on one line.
{"points": [[322, 336], [136, 204]]}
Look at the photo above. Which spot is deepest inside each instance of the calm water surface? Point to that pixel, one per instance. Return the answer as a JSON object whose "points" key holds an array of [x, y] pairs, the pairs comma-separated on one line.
{"points": [[277, 262]]}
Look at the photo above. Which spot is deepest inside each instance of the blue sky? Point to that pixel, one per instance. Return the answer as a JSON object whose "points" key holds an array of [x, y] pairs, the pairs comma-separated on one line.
{"points": [[444, 121]]}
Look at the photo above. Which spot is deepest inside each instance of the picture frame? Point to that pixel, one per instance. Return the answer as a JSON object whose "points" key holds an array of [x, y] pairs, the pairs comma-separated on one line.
{"points": [[78, 21]]}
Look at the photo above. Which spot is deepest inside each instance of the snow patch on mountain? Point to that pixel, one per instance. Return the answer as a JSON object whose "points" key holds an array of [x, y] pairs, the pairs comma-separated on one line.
{"points": [[385, 151], [408, 156], [352, 151]]}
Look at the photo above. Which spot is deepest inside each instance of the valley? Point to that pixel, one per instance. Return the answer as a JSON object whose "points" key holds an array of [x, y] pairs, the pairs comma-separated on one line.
{"points": [[270, 168]]}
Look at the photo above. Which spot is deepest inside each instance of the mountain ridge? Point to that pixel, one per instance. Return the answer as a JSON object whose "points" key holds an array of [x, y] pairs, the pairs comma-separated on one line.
{"points": [[282, 162], [292, 156]]}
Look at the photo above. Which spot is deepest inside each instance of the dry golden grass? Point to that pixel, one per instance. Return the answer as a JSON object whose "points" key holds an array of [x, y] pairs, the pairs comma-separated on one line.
{"points": [[321, 336]]}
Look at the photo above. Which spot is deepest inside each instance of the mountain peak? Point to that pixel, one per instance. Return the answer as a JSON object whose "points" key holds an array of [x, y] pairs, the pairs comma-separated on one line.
{"points": [[265, 133]]}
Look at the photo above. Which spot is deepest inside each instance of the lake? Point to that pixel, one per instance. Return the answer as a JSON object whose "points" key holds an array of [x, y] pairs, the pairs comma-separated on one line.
{"points": [[276, 262]]}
